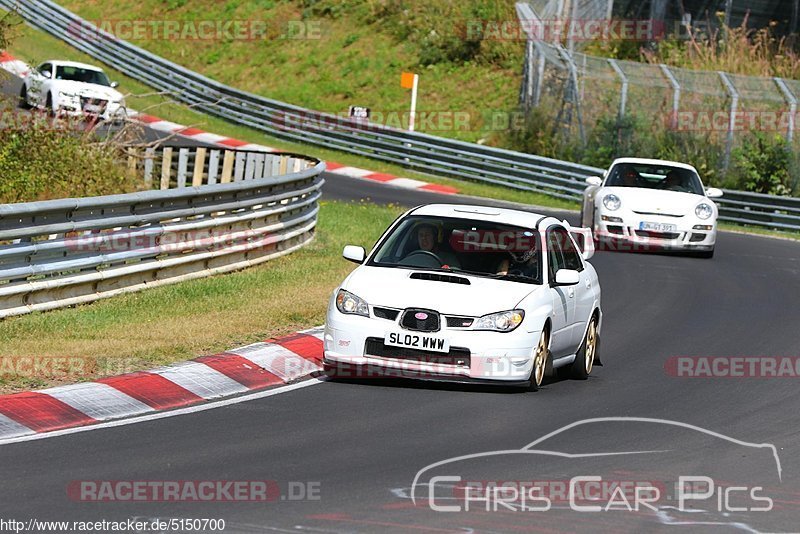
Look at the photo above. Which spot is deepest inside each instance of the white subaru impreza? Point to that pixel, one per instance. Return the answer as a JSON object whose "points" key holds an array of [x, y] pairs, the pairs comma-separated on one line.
{"points": [[467, 294]]}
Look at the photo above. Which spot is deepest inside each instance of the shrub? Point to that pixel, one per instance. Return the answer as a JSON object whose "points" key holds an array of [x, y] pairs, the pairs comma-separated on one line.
{"points": [[762, 164], [39, 162]]}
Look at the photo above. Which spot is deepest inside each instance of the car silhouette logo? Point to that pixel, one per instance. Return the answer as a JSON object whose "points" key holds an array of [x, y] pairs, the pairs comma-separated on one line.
{"points": [[421, 316]]}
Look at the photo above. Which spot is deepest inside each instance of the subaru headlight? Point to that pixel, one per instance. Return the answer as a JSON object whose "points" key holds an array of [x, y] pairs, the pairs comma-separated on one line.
{"points": [[505, 321], [351, 304], [703, 211], [612, 202]]}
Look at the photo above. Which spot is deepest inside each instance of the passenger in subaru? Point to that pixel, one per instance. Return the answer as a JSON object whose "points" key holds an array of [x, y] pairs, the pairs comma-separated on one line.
{"points": [[430, 238], [521, 263]]}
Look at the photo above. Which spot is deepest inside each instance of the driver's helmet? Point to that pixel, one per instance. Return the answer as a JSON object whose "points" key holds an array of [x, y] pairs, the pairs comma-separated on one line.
{"points": [[522, 256]]}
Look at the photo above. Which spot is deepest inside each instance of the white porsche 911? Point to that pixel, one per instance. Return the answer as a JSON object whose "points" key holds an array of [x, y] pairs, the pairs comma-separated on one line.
{"points": [[72, 89], [651, 204], [467, 294]]}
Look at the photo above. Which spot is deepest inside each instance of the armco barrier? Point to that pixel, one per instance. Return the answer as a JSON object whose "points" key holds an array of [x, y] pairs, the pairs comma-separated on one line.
{"points": [[422, 152], [62, 252]]}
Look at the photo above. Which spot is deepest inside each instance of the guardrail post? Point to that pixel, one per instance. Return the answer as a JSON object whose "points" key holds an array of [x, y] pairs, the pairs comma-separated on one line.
{"points": [[734, 94], [199, 167], [166, 167], [792, 101], [676, 94], [623, 97]]}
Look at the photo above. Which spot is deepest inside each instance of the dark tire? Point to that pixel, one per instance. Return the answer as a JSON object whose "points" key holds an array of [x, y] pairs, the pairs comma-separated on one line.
{"points": [[48, 105], [582, 367], [23, 98], [541, 360]]}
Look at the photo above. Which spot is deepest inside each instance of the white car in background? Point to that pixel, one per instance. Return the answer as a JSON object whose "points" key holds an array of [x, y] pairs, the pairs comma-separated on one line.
{"points": [[72, 89], [467, 294], [650, 204]]}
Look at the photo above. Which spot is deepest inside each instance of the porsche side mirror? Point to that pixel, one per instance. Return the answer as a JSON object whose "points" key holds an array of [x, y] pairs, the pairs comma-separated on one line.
{"points": [[594, 180], [713, 192], [47, 74], [354, 253], [114, 85], [567, 277]]}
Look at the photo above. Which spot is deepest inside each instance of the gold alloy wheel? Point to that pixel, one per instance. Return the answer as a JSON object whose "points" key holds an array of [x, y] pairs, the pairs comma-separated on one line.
{"points": [[540, 360], [591, 346]]}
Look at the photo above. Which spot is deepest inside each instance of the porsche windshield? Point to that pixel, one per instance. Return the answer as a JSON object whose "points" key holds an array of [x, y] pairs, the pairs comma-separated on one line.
{"points": [[478, 248], [648, 176]]}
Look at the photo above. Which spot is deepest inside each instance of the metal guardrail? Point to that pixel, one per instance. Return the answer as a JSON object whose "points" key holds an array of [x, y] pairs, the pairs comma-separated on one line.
{"points": [[413, 150], [63, 252]]}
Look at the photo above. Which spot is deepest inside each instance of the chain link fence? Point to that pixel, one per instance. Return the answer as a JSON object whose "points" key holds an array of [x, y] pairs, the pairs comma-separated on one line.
{"points": [[580, 92]]}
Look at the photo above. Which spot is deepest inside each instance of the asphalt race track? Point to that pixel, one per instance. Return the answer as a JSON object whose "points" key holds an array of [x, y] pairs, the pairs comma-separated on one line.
{"points": [[356, 448]]}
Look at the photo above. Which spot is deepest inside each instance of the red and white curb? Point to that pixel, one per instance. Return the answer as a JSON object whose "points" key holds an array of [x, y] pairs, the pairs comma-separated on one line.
{"points": [[253, 367], [21, 69]]}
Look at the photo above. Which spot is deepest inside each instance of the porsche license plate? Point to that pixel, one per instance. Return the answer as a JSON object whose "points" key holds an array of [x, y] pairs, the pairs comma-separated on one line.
{"points": [[658, 227], [419, 341]]}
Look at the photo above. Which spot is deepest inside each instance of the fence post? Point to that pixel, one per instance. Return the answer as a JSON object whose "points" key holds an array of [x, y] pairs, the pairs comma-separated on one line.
{"points": [[227, 167], [623, 97], [199, 167], [676, 94], [183, 163], [166, 167], [149, 156], [734, 94], [792, 101]]}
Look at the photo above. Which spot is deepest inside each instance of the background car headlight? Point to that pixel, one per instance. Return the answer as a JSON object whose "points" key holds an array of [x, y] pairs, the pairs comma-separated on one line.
{"points": [[704, 211], [612, 202], [348, 303], [505, 321]]}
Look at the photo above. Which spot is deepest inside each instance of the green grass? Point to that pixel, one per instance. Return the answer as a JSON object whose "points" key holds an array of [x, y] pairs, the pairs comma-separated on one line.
{"points": [[207, 316], [346, 53], [34, 47]]}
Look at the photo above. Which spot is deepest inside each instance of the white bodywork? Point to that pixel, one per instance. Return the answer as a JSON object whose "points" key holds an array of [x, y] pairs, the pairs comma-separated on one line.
{"points": [[506, 357], [47, 87], [649, 217]]}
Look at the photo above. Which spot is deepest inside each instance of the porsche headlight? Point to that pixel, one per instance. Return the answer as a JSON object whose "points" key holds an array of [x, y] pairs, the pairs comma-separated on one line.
{"points": [[612, 202], [505, 321], [351, 304], [703, 211]]}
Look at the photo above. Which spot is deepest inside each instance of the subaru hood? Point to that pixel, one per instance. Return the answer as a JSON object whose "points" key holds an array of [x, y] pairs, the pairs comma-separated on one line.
{"points": [[396, 288]]}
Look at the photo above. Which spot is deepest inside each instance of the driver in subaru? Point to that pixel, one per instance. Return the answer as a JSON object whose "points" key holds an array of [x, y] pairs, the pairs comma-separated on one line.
{"points": [[429, 239]]}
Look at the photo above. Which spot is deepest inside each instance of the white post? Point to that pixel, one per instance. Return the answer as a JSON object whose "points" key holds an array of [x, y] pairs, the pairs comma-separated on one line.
{"points": [[413, 114]]}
